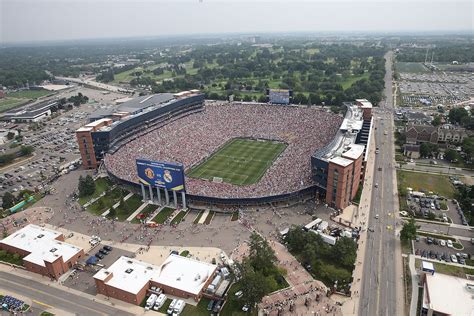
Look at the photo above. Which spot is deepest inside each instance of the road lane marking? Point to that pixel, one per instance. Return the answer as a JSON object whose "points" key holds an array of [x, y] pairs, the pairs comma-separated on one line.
{"points": [[41, 303]]}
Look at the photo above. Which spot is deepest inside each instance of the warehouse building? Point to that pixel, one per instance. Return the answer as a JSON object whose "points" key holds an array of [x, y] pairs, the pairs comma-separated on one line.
{"points": [[130, 279], [43, 250]]}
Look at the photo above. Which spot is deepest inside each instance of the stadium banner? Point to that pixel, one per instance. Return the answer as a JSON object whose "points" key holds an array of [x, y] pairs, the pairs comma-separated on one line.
{"points": [[279, 96], [161, 174]]}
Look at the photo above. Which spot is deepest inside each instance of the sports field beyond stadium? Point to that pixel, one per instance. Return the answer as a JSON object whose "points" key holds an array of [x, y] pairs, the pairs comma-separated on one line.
{"points": [[240, 161]]}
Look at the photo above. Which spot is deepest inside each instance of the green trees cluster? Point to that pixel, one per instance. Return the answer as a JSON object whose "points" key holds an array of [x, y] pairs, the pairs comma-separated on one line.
{"points": [[408, 231], [6, 159], [259, 274], [428, 149], [460, 116], [328, 263], [86, 186], [465, 197], [78, 99]]}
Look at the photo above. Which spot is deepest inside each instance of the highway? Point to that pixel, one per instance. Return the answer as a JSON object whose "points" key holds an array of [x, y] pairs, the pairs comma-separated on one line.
{"points": [[54, 297], [381, 281]]}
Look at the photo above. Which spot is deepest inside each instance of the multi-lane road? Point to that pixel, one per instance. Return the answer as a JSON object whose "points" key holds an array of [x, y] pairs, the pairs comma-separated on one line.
{"points": [[54, 297], [381, 280]]}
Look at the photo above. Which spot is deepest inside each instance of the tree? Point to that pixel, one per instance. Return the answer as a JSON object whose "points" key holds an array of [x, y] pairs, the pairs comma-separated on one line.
{"points": [[10, 135], [408, 231], [344, 252], [427, 149], [8, 200], [86, 186], [26, 150], [436, 121], [112, 212], [254, 285], [457, 114], [451, 155], [261, 255]]}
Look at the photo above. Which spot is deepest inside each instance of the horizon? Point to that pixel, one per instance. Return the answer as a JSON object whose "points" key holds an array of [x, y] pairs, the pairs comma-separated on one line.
{"points": [[59, 21]]}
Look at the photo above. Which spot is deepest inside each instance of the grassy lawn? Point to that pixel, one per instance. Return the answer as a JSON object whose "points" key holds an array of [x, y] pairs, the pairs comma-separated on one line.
{"points": [[105, 202], [29, 94], [410, 67], [448, 269], [199, 310], [209, 217], [129, 206], [347, 82], [101, 185], [178, 218], [150, 208], [163, 215], [240, 161], [235, 216], [8, 103], [427, 182], [436, 236], [233, 306]]}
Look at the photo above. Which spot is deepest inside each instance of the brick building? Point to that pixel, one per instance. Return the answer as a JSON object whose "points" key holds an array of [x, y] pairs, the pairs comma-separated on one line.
{"points": [[129, 279], [43, 250]]}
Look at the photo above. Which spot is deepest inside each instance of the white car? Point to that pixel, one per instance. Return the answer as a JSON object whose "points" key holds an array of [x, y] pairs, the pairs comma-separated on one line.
{"points": [[449, 243], [376, 216], [442, 242], [454, 259], [245, 308], [239, 294]]}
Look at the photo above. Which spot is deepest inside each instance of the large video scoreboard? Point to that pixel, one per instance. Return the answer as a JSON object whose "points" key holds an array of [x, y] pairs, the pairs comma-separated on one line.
{"points": [[279, 96], [161, 174]]}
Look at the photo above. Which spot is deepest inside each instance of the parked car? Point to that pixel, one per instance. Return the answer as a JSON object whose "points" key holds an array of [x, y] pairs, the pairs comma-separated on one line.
{"points": [[99, 255], [442, 242], [449, 243], [108, 248]]}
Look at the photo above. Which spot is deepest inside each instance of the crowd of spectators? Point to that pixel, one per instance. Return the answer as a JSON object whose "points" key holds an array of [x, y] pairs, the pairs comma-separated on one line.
{"points": [[192, 139]]}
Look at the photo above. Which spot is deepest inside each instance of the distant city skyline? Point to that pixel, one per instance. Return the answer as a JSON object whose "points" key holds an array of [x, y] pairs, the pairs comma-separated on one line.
{"points": [[59, 20]]}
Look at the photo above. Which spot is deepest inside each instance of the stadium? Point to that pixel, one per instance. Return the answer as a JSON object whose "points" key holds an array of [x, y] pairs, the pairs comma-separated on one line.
{"points": [[232, 153]]}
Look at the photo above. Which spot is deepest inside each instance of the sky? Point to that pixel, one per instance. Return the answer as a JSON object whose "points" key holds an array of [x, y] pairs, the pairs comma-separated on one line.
{"points": [[46, 20]]}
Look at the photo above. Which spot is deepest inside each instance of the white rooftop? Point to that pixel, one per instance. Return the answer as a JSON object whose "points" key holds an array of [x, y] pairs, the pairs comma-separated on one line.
{"points": [[129, 275], [340, 161], [427, 265], [365, 104], [185, 274], [449, 295], [354, 152], [41, 243]]}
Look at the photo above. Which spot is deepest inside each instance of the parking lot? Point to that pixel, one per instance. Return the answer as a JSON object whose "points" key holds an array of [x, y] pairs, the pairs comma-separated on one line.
{"points": [[83, 280], [439, 251], [54, 142]]}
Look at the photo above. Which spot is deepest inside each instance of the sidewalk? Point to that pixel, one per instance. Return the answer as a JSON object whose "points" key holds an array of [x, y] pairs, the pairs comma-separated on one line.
{"points": [[351, 306], [414, 285], [136, 310], [134, 214]]}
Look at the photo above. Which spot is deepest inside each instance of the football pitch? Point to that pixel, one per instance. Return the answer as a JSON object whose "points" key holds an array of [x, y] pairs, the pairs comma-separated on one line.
{"points": [[240, 161]]}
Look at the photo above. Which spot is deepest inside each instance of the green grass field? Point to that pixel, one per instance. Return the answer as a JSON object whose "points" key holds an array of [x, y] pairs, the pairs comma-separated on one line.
{"points": [[410, 67], [428, 182], [29, 94], [240, 161]]}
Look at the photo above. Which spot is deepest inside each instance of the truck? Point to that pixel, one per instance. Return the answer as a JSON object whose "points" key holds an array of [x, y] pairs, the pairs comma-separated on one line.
{"points": [[170, 309], [159, 302], [150, 301], [178, 308], [326, 238], [314, 223]]}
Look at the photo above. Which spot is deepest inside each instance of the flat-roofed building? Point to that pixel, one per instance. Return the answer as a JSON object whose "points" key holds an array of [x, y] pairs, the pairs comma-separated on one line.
{"points": [[184, 277], [447, 295], [129, 279], [43, 250]]}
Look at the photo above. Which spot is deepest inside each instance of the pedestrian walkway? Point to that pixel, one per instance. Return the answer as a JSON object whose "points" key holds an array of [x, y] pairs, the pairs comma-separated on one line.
{"points": [[203, 217], [134, 214], [414, 285]]}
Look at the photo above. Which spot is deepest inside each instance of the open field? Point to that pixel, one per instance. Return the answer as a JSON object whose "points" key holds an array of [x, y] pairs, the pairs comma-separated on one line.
{"points": [[107, 201], [349, 81], [240, 161], [125, 209], [101, 185], [29, 94], [427, 182], [410, 67], [9, 103]]}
